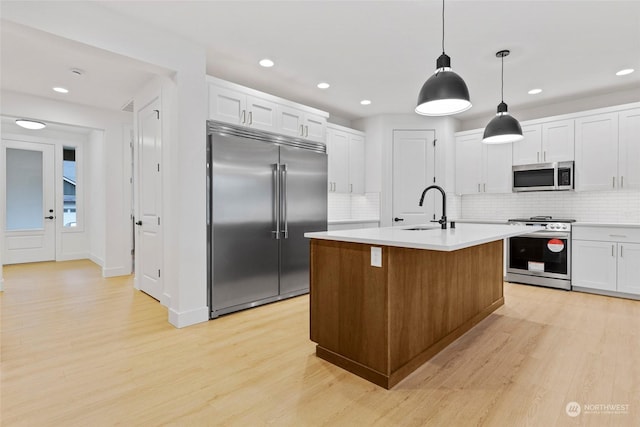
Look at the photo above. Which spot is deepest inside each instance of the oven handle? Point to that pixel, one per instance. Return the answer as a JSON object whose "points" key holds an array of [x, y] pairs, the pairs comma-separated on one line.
{"points": [[551, 235]]}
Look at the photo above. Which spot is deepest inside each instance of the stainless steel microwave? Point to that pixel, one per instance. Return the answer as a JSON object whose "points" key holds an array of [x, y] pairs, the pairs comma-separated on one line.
{"points": [[556, 176]]}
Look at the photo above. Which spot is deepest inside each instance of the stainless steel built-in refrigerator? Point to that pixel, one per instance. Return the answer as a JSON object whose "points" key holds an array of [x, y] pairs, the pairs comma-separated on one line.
{"points": [[265, 191]]}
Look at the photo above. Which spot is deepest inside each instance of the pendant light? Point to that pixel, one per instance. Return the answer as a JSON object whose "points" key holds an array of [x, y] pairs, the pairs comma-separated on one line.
{"points": [[444, 93], [503, 127]]}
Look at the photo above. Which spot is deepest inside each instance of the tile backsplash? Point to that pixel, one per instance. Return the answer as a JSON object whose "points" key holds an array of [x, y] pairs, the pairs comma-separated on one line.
{"points": [[621, 206], [353, 206]]}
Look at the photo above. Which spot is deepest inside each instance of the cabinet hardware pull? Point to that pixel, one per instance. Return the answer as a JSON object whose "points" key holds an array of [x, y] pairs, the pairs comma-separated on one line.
{"points": [[537, 156], [545, 156], [484, 187], [613, 250], [478, 187], [613, 184], [621, 256], [307, 131], [250, 117], [243, 115], [622, 182], [350, 188], [301, 130]]}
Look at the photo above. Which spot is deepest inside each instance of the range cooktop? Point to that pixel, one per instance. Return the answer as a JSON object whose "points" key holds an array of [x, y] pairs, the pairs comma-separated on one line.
{"points": [[542, 219]]}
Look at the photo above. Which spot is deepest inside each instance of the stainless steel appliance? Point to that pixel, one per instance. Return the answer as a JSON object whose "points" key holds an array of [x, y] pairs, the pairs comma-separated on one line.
{"points": [[542, 257], [264, 192], [555, 176]]}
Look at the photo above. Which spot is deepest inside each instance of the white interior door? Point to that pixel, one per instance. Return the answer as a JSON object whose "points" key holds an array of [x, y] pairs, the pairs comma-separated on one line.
{"points": [[30, 221], [148, 235], [413, 171]]}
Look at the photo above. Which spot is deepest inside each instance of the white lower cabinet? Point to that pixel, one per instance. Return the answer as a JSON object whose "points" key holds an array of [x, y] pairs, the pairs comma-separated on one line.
{"points": [[606, 260], [352, 226]]}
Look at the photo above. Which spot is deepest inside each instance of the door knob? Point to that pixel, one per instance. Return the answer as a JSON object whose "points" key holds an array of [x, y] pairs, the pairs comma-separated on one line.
{"points": [[396, 219], [138, 222], [49, 217]]}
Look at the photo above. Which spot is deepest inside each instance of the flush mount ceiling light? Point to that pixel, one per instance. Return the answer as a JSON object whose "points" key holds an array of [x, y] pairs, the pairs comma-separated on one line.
{"points": [[503, 127], [266, 63], [534, 91], [61, 89], [30, 124], [323, 85], [625, 72], [445, 92]]}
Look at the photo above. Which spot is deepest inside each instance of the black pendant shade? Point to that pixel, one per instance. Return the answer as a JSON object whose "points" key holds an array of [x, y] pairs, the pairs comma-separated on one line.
{"points": [[503, 128], [444, 92]]}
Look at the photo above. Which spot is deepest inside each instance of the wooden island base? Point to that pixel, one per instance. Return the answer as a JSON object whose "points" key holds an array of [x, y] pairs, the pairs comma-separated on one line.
{"points": [[382, 323]]}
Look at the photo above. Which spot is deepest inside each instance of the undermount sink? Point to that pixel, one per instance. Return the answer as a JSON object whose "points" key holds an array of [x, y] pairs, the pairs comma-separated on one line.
{"points": [[420, 228]]}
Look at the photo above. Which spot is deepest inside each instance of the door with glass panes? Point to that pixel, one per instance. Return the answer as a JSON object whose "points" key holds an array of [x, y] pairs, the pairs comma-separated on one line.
{"points": [[29, 192]]}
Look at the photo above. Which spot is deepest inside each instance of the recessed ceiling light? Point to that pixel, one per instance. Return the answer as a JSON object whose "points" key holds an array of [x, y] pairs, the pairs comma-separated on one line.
{"points": [[365, 102], [77, 71], [323, 85], [534, 91], [267, 63], [625, 72], [30, 124], [61, 90]]}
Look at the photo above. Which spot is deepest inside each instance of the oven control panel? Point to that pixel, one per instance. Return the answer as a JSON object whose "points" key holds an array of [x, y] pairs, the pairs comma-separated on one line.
{"points": [[551, 226]]}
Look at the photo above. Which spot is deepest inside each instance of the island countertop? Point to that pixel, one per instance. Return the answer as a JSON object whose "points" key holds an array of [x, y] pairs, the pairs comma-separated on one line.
{"points": [[431, 238]]}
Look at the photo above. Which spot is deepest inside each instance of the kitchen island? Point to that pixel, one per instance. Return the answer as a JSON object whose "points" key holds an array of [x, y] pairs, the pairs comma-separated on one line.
{"points": [[386, 300]]}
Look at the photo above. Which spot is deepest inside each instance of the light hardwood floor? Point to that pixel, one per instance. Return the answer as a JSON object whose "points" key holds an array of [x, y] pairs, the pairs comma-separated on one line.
{"points": [[78, 349]]}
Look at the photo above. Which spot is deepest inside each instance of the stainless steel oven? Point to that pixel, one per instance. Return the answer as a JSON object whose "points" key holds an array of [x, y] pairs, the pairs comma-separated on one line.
{"points": [[543, 257]]}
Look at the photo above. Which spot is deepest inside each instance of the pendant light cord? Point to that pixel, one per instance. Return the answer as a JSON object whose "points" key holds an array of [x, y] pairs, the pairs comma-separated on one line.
{"points": [[502, 80], [443, 27]]}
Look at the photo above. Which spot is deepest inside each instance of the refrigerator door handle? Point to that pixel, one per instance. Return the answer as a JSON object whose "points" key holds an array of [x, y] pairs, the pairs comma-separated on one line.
{"points": [[276, 200], [283, 197]]}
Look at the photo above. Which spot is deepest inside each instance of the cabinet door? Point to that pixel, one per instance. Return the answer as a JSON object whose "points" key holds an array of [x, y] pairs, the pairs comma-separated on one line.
{"points": [[227, 105], [291, 121], [629, 268], [594, 264], [629, 149], [597, 152], [497, 168], [261, 114], [338, 161], [315, 127], [356, 164], [469, 164], [528, 150], [558, 141]]}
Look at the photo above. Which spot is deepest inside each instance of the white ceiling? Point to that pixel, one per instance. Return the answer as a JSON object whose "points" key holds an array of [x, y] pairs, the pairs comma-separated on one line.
{"points": [[377, 50]]}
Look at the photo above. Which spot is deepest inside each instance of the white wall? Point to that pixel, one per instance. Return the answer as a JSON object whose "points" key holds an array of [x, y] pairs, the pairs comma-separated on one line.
{"points": [[379, 158], [95, 197], [184, 198]]}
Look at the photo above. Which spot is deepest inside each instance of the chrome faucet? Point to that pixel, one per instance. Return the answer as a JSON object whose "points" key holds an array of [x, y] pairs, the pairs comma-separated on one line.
{"points": [[443, 220]]}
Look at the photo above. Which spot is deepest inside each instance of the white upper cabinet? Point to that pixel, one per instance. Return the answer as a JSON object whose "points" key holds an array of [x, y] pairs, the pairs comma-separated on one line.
{"points": [[301, 124], [597, 152], [346, 151], [231, 103], [545, 143], [482, 168], [629, 148]]}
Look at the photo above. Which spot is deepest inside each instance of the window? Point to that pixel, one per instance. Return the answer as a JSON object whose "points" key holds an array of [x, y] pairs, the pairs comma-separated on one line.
{"points": [[69, 185]]}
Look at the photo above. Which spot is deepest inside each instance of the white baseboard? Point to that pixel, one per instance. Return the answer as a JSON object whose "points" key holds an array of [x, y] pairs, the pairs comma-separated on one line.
{"points": [[1, 284], [72, 256], [188, 318], [165, 299], [96, 260], [115, 271]]}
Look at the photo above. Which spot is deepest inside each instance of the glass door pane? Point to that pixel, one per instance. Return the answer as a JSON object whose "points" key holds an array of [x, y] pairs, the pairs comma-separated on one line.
{"points": [[25, 209]]}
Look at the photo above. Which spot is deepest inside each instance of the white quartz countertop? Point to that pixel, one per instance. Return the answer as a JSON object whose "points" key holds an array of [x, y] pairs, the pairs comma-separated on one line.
{"points": [[607, 225], [432, 238], [352, 220]]}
